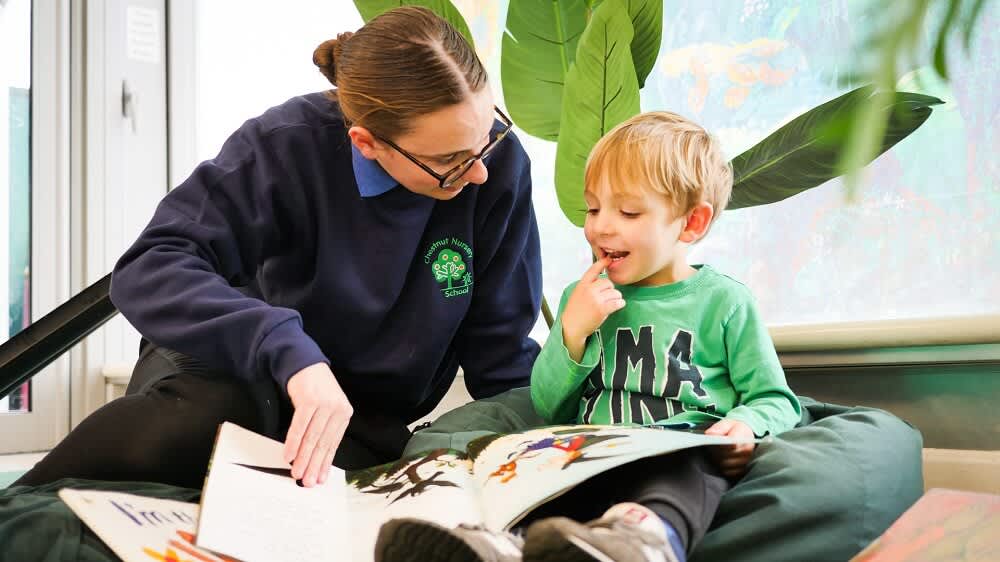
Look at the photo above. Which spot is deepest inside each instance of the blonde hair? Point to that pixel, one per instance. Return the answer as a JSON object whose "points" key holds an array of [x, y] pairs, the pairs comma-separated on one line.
{"points": [[667, 154]]}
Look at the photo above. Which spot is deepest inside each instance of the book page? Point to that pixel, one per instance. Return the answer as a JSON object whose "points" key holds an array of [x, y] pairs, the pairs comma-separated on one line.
{"points": [[252, 508], [518, 472], [435, 486], [138, 528]]}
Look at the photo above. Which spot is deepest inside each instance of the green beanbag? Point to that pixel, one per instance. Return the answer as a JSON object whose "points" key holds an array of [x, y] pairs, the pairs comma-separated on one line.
{"points": [[36, 525], [820, 492]]}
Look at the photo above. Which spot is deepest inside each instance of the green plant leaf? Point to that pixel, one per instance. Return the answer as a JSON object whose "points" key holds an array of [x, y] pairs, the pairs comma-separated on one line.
{"points": [[443, 8], [601, 91], [537, 49], [941, 43], [970, 23], [806, 152], [647, 24]]}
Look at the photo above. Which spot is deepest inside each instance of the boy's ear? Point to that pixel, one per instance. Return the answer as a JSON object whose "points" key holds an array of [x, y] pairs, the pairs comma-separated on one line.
{"points": [[364, 141], [697, 224]]}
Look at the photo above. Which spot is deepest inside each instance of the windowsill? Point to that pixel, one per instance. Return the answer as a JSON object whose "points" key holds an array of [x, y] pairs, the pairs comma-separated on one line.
{"points": [[923, 355], [906, 333]]}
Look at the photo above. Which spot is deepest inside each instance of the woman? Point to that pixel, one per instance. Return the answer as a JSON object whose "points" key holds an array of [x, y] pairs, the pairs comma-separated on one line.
{"points": [[322, 279]]}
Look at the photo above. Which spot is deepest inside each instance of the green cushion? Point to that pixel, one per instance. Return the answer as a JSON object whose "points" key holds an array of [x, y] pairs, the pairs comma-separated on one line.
{"points": [[505, 413], [821, 491], [36, 525]]}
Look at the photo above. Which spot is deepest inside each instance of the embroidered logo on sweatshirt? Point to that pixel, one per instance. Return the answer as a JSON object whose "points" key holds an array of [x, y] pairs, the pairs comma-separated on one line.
{"points": [[450, 260]]}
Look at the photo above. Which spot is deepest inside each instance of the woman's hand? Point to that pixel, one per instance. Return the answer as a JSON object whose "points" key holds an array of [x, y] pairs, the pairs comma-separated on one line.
{"points": [[732, 459], [593, 299], [322, 412]]}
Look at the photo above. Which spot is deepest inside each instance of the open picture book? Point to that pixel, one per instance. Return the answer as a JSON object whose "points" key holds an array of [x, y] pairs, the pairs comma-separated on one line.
{"points": [[138, 528], [252, 509]]}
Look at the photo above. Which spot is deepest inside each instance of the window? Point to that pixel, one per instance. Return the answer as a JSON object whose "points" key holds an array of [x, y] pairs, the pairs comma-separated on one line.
{"points": [[15, 179], [921, 240]]}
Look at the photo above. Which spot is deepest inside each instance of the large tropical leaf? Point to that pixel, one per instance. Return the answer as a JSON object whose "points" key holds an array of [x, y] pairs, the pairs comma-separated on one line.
{"points": [[601, 91], [443, 8], [647, 24], [806, 152], [537, 49]]}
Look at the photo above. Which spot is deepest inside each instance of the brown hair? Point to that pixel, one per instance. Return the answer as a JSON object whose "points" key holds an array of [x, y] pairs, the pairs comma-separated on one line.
{"points": [[402, 64], [667, 154]]}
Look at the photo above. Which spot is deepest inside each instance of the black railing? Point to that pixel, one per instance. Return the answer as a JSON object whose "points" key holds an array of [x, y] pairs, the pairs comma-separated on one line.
{"points": [[45, 339]]}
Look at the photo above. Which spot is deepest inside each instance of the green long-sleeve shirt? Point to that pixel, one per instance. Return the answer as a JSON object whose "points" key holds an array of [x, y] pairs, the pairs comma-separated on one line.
{"points": [[692, 351]]}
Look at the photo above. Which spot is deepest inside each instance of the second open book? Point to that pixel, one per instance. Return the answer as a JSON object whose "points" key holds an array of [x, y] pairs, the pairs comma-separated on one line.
{"points": [[252, 509]]}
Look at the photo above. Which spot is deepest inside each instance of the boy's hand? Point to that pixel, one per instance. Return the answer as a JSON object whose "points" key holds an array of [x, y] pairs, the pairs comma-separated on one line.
{"points": [[322, 412], [732, 459], [593, 299]]}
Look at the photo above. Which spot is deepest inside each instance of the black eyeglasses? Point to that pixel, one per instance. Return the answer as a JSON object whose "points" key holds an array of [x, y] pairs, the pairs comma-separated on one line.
{"points": [[448, 178]]}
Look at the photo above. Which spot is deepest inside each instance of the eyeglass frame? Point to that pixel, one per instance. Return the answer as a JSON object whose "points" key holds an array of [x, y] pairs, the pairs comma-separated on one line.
{"points": [[467, 163]]}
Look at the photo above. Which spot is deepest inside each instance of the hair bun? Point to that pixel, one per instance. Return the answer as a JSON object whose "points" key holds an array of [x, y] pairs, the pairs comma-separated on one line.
{"points": [[325, 56]]}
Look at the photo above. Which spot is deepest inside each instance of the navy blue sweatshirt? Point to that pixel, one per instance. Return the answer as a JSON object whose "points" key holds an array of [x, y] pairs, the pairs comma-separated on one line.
{"points": [[268, 258]]}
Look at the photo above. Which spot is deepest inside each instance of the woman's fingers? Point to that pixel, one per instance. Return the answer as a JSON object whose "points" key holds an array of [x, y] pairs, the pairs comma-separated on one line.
{"points": [[312, 444], [322, 412], [338, 436], [296, 431], [317, 453], [327, 463]]}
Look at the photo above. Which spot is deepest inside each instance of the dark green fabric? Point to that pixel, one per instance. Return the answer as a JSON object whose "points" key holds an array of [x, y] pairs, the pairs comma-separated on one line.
{"points": [[817, 493], [509, 412], [36, 525], [820, 492]]}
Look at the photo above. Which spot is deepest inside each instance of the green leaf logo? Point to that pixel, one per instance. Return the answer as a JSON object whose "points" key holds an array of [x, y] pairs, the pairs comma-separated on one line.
{"points": [[448, 267], [450, 260]]}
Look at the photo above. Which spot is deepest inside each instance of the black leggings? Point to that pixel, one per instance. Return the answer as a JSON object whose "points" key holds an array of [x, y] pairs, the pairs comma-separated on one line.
{"points": [[683, 487], [164, 428]]}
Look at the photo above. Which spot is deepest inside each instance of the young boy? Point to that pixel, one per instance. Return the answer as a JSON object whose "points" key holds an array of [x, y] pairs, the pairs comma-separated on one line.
{"points": [[654, 341]]}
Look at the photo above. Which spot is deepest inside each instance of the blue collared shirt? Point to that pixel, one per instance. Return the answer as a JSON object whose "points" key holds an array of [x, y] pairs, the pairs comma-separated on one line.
{"points": [[372, 179]]}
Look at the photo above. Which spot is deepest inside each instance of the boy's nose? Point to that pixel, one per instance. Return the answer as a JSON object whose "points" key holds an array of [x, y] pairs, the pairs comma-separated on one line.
{"points": [[603, 224]]}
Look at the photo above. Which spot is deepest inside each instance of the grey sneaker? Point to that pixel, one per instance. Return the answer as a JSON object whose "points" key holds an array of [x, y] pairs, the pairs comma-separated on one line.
{"points": [[605, 540], [416, 540]]}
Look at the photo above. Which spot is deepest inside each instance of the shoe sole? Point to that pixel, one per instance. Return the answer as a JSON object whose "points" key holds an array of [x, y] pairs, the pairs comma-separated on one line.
{"points": [[569, 550], [557, 540], [413, 540], [547, 543]]}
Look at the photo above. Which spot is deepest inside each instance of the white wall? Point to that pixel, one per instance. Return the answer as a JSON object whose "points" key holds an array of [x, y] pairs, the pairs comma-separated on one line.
{"points": [[252, 55]]}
